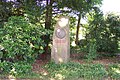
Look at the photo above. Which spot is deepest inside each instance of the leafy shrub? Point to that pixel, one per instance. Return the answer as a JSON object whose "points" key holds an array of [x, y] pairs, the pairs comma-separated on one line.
{"points": [[76, 70], [5, 67], [75, 49], [109, 45], [21, 41], [20, 68], [114, 71], [105, 31], [83, 45], [92, 54]]}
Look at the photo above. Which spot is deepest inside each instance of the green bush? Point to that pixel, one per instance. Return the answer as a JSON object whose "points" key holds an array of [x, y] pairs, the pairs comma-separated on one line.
{"points": [[83, 45], [92, 53], [5, 67], [20, 68], [114, 71], [76, 70], [21, 41], [106, 31]]}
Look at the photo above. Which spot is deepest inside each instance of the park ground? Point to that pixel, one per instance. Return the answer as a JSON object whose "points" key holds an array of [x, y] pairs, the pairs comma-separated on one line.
{"points": [[38, 68], [77, 58]]}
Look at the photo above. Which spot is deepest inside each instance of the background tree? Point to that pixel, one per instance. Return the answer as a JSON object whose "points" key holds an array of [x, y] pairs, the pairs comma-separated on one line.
{"points": [[79, 8], [5, 11], [104, 30]]}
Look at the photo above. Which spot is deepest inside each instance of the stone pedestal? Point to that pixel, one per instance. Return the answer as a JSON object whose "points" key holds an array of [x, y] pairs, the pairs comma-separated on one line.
{"points": [[61, 41]]}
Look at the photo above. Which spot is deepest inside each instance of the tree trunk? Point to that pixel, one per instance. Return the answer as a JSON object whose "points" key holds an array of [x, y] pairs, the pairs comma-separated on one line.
{"points": [[77, 31], [48, 19]]}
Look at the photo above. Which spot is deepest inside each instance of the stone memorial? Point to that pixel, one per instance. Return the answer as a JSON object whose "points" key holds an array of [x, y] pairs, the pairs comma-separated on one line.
{"points": [[61, 41]]}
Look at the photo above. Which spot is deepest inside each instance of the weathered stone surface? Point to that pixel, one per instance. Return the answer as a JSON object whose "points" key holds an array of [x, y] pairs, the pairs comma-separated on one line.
{"points": [[61, 41]]}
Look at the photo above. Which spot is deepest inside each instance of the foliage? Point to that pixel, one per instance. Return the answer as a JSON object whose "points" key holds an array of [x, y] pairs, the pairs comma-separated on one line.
{"points": [[5, 67], [5, 11], [75, 50], [72, 28], [20, 68], [76, 70], [114, 71], [104, 30], [79, 8], [33, 9], [40, 11], [112, 31], [21, 37], [83, 45], [92, 54], [21, 41], [30, 75]]}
